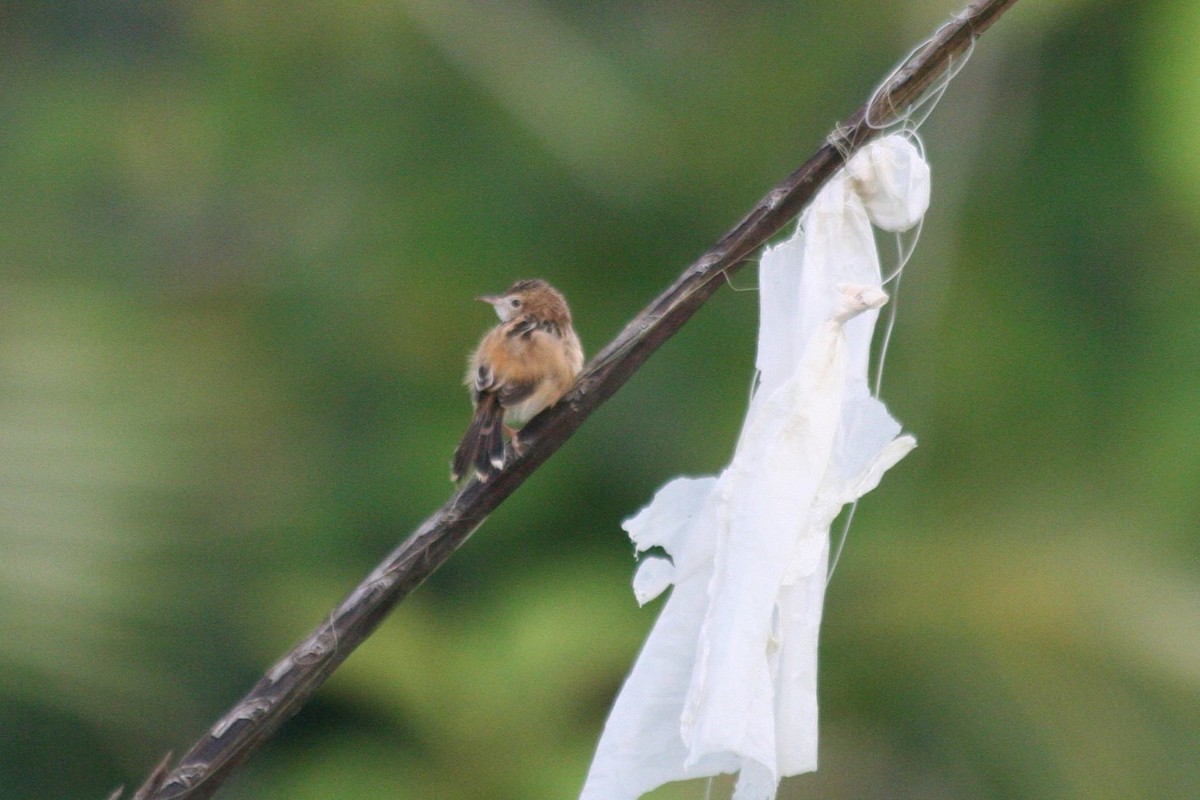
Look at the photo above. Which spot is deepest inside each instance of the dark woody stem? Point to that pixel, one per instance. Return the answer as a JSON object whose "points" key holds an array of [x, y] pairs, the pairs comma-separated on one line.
{"points": [[290, 682]]}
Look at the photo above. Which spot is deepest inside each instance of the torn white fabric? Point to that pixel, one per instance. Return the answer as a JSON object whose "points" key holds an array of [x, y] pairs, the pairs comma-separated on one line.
{"points": [[726, 681]]}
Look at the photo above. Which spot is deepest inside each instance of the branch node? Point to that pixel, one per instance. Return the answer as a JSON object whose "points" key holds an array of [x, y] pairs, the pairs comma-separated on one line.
{"points": [[248, 710], [707, 261], [317, 647]]}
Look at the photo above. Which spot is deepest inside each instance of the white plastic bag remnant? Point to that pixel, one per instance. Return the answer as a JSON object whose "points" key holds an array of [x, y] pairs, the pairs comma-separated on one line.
{"points": [[726, 681], [893, 181], [654, 574]]}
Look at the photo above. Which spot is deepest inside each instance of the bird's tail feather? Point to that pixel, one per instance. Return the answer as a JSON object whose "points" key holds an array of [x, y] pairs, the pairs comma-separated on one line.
{"points": [[482, 446]]}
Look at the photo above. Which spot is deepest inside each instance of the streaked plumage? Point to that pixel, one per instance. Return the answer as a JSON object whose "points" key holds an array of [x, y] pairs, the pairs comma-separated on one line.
{"points": [[522, 366]]}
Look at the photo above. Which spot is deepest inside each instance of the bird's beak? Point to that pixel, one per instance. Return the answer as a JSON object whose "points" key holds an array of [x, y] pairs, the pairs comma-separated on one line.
{"points": [[498, 305]]}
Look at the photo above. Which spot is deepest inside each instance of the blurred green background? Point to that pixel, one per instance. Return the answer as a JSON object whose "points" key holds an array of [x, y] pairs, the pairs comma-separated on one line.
{"points": [[239, 242]]}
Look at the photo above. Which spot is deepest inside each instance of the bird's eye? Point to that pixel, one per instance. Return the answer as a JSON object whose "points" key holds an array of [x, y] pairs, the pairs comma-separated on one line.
{"points": [[515, 303]]}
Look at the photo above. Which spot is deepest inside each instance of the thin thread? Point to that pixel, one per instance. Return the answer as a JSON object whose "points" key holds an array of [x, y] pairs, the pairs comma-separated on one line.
{"points": [[885, 342], [906, 241], [888, 327], [838, 139], [906, 245], [729, 283], [928, 99]]}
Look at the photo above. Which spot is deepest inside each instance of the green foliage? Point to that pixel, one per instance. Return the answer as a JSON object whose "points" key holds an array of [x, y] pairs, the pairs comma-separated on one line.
{"points": [[240, 245]]}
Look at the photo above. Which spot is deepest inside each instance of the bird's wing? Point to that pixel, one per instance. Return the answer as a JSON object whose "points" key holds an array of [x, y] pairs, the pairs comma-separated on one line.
{"points": [[525, 328], [509, 390], [513, 392]]}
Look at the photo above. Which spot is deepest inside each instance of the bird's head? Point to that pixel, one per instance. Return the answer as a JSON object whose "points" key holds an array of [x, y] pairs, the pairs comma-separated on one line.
{"points": [[533, 297]]}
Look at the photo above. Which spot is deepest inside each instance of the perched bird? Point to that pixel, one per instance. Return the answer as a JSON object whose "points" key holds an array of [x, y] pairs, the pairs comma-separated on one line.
{"points": [[522, 366]]}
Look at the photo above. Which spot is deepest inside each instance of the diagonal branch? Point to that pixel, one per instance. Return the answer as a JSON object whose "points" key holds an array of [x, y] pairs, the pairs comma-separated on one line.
{"points": [[288, 685]]}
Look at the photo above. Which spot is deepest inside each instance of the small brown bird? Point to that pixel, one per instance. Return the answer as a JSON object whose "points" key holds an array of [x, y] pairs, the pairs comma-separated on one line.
{"points": [[522, 366]]}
